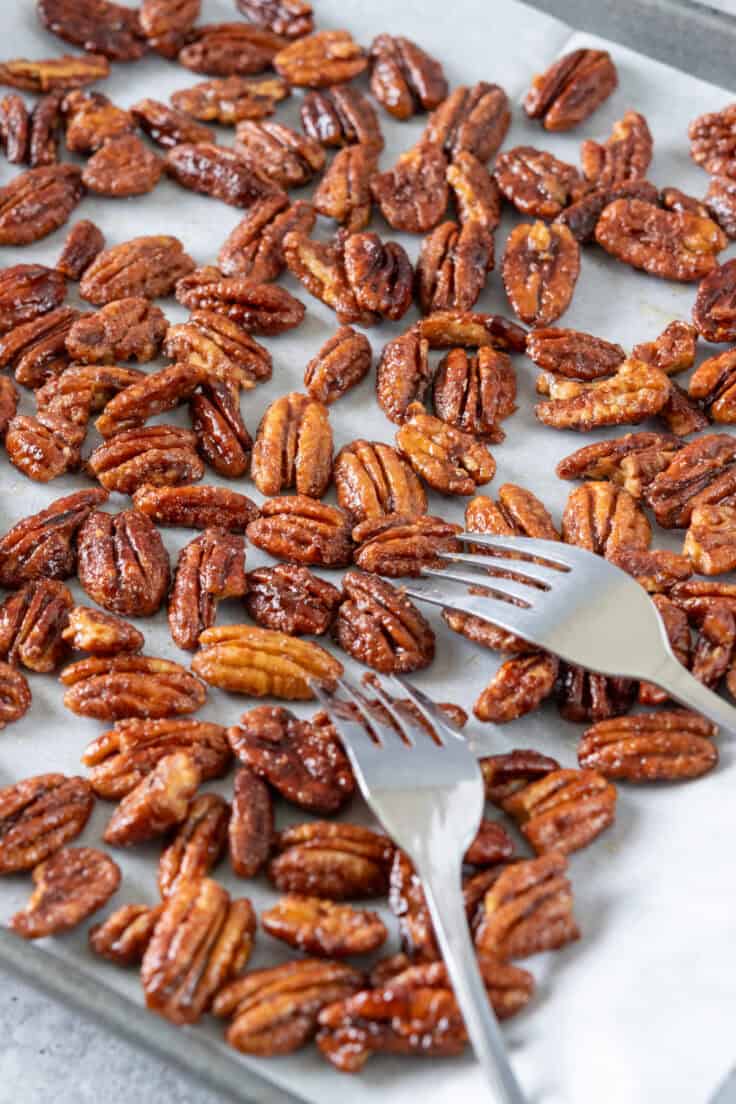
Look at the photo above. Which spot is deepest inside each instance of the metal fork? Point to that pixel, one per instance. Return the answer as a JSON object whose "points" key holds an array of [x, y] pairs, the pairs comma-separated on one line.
{"points": [[428, 795], [576, 605]]}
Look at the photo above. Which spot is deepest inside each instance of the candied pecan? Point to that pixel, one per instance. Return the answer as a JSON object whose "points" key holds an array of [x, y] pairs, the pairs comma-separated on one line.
{"points": [[122, 757], [448, 459], [576, 355], [130, 686], [37, 202], [603, 518], [476, 193], [720, 202], [43, 447], [201, 941], [713, 311], [82, 244], [519, 686], [70, 886], [160, 801], [344, 192], [675, 200], [563, 811], [380, 275], [634, 393], [228, 49], [397, 544], [504, 774], [404, 78], [278, 153], [92, 119], [517, 512], [713, 652], [274, 1011], [677, 628], [251, 828], [257, 308], [28, 291], [15, 128], [82, 389], [167, 126], [540, 269], [222, 439], [408, 903], [197, 845], [342, 362], [123, 166], [293, 447], [148, 266], [675, 245], [320, 60], [413, 194], [713, 141], [474, 119], [220, 347], [99, 26], [254, 249], [302, 760], [681, 415], [320, 267], [673, 351], [650, 747], [37, 350], [473, 393], [582, 217], [291, 599], [702, 472], [211, 567], [123, 565], [373, 479], [626, 155], [528, 909], [124, 935], [261, 662], [571, 89], [43, 543], [154, 455], [453, 266], [710, 541], [166, 23], [323, 928], [91, 630], [43, 137], [196, 507], [584, 696], [341, 116], [632, 461], [15, 696], [32, 622], [537, 183], [50, 74], [127, 329], [155, 394], [336, 861], [38, 816], [378, 625], [403, 374], [9, 399], [290, 18]]}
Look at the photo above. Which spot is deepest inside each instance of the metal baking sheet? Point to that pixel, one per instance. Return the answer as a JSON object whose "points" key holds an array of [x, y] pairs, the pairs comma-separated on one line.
{"points": [[653, 895]]}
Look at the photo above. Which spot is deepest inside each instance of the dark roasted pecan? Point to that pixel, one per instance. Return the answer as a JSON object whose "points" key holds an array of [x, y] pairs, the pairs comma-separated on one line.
{"points": [[201, 942], [650, 747], [675, 245], [251, 828], [258, 308], [38, 816], [519, 686], [634, 393], [81, 245], [197, 507], [43, 137], [123, 166], [15, 696], [453, 266], [130, 686], [404, 78], [702, 472], [217, 171], [124, 935], [474, 393], [413, 194], [228, 49], [537, 183], [378, 625], [571, 89], [70, 886], [291, 599], [540, 269], [99, 26], [28, 291], [713, 141], [278, 153], [321, 60], [127, 329], [123, 564], [710, 542], [197, 845], [154, 455], [673, 351], [155, 394], [219, 346], [448, 459], [82, 389], [222, 439], [43, 447], [37, 350], [50, 74], [476, 193], [403, 374], [341, 116], [373, 479], [563, 811], [344, 192], [15, 128], [43, 543], [254, 249], [159, 802], [91, 630], [92, 119], [528, 909], [291, 18], [474, 119], [624, 156], [714, 314], [302, 760], [211, 567], [293, 447], [166, 23], [32, 623], [574, 354], [632, 461], [342, 362], [720, 201], [397, 544], [332, 860], [584, 696], [167, 126], [324, 928], [148, 266], [37, 202]]}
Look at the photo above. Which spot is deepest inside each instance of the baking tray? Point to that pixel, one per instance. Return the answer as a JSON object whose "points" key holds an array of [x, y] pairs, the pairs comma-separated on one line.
{"points": [[561, 1044]]}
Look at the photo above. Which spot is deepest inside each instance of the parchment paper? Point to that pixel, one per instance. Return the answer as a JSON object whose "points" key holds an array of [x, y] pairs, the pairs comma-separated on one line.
{"points": [[641, 1009]]}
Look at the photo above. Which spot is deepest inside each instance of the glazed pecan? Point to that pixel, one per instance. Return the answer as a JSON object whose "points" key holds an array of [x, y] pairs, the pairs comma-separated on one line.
{"points": [[15, 695], [50, 74], [82, 389], [341, 116], [98, 26], [44, 447], [413, 194], [15, 128], [537, 183], [302, 760], [474, 393], [476, 193], [197, 845], [228, 49], [32, 622], [713, 653], [211, 567], [290, 18], [43, 543], [334, 860], [222, 439], [448, 459], [677, 627], [342, 362], [681, 415], [159, 802], [563, 811], [38, 816], [255, 247], [632, 461], [293, 447], [152, 456], [373, 479], [540, 269], [403, 374], [278, 153], [650, 747], [519, 686], [474, 119], [408, 903], [167, 23], [344, 192], [675, 245], [702, 472], [584, 696], [91, 630], [571, 89], [720, 201], [603, 518], [123, 167], [197, 507], [582, 216], [37, 202], [528, 909], [517, 512], [504, 774], [321, 60], [81, 245], [92, 119], [710, 541], [713, 141], [257, 308], [127, 329], [70, 886], [168, 126], [251, 828], [122, 757], [37, 350], [274, 1011], [123, 565], [9, 399], [404, 78], [201, 941], [713, 310], [44, 130], [380, 275], [634, 393], [323, 928], [28, 291], [320, 266], [219, 346], [378, 625], [124, 935], [290, 599], [673, 351], [146, 267], [261, 662], [626, 155], [453, 266], [130, 686], [156, 393], [574, 354], [397, 544]]}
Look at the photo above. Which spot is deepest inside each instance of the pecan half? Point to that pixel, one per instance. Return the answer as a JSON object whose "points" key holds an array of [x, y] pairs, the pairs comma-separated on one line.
{"points": [[82, 244], [167, 23], [404, 78], [604, 518], [15, 128], [504, 774], [50, 74], [255, 247], [98, 26], [37, 202], [9, 399], [713, 311], [474, 119], [403, 374], [211, 567], [341, 116], [448, 459], [632, 461], [43, 543], [251, 828], [397, 545], [650, 747], [408, 903], [372, 479], [278, 153], [576, 355], [321, 60], [227, 49], [378, 625], [673, 351], [519, 686], [474, 393], [677, 627], [342, 362], [537, 183], [413, 194], [153, 455], [584, 696], [582, 216], [148, 267], [571, 89], [167, 126], [720, 201], [710, 541], [127, 329], [675, 245], [32, 622], [130, 686], [290, 599], [476, 193], [540, 268], [44, 128], [15, 695], [91, 630], [293, 447], [324, 928], [197, 845], [320, 267], [82, 389], [44, 447], [626, 155], [257, 308], [92, 119], [528, 909], [222, 439], [123, 565], [517, 512], [37, 350], [702, 472], [124, 935], [344, 192], [156, 393], [380, 275], [634, 393], [70, 886], [160, 801], [564, 811], [290, 18], [38, 816], [123, 166], [336, 861], [28, 291], [681, 415], [219, 346], [197, 507], [713, 141], [713, 653], [453, 266]]}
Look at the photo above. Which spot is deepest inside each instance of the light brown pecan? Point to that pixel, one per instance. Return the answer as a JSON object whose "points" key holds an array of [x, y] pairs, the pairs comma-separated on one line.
{"points": [[378, 625], [122, 757], [541, 265], [677, 627], [634, 393], [303, 760], [291, 18], [519, 686], [713, 311], [321, 60], [604, 518], [222, 439], [675, 245], [168, 126], [167, 23], [81, 245], [474, 393], [373, 479], [344, 192], [320, 266], [517, 512], [413, 194], [151, 456], [710, 541], [293, 447], [713, 141], [124, 935], [720, 201], [121, 167], [258, 308], [576, 355], [156, 393], [123, 565], [404, 78], [43, 543], [211, 567], [448, 459], [476, 193], [453, 266], [91, 630], [650, 747], [197, 507], [255, 247], [537, 183], [221, 347], [334, 860], [197, 845], [37, 202], [70, 885], [673, 351], [274, 1011], [341, 116], [127, 329], [278, 153], [251, 828], [38, 816], [147, 267], [15, 695], [702, 472], [626, 155], [43, 447], [504, 774], [397, 544], [82, 389], [36, 350], [49, 74], [15, 128], [324, 928], [290, 599], [92, 119], [261, 662], [159, 802], [32, 622], [201, 942], [130, 686], [403, 374], [44, 129], [228, 49], [28, 291], [100, 26], [571, 89], [631, 461], [474, 119], [342, 362], [564, 811]]}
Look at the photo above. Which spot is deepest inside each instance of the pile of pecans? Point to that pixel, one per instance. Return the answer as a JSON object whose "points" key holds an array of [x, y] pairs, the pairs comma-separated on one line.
{"points": [[193, 945]]}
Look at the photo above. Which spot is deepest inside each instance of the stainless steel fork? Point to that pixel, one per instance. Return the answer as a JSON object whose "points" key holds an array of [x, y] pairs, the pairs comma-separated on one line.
{"points": [[576, 605], [428, 795]]}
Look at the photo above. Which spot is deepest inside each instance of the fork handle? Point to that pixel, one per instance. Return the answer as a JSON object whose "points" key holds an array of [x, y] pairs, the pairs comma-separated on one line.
{"points": [[686, 689], [443, 890]]}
